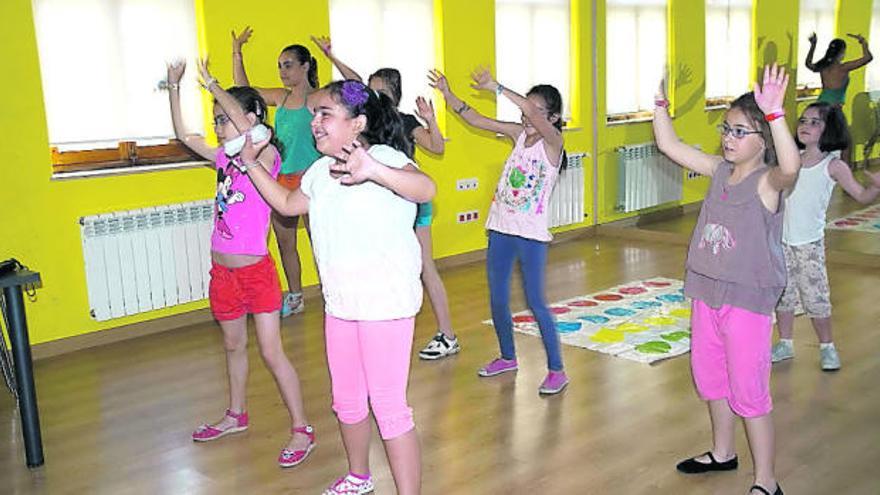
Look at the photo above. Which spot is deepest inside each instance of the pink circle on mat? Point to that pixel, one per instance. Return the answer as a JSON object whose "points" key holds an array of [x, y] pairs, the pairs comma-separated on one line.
{"points": [[657, 284], [524, 319], [583, 303], [559, 310], [846, 222], [608, 297], [630, 291]]}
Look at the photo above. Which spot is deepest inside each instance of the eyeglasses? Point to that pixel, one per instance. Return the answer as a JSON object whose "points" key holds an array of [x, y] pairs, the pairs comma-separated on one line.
{"points": [[736, 132], [220, 120], [810, 122]]}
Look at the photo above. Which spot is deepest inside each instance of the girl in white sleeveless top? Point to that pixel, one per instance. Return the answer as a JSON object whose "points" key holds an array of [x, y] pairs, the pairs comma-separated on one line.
{"points": [[821, 133]]}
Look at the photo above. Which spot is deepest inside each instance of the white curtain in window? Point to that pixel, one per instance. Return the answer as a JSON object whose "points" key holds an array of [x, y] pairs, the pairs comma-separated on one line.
{"points": [[532, 46], [728, 47], [101, 61], [635, 53], [816, 16], [370, 34], [872, 75]]}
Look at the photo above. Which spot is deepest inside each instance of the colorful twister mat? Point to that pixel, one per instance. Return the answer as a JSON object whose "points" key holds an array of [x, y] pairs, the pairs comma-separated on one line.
{"points": [[645, 321], [865, 220]]}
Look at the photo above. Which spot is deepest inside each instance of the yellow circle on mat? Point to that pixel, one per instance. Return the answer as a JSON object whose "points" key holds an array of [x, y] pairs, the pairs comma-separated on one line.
{"points": [[660, 320], [631, 327], [681, 312], [607, 335]]}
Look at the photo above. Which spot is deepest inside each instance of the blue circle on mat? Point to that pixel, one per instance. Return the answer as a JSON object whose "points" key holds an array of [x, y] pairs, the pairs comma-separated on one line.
{"points": [[671, 298], [567, 326], [619, 312], [646, 304], [597, 319], [877, 225]]}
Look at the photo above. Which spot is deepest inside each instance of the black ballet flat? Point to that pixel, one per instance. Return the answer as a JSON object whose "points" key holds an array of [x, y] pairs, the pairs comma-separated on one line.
{"points": [[765, 491], [692, 466]]}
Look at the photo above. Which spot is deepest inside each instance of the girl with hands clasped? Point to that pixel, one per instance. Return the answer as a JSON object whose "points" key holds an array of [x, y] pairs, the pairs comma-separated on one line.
{"points": [[832, 68], [735, 270], [243, 275], [298, 72], [361, 196], [387, 80], [822, 133], [517, 220]]}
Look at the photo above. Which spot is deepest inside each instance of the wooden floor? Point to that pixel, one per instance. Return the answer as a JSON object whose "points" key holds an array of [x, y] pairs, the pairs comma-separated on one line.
{"points": [[116, 419]]}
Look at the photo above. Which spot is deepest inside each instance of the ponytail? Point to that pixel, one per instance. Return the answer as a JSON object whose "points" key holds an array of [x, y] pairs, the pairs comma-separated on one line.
{"points": [[313, 72]]}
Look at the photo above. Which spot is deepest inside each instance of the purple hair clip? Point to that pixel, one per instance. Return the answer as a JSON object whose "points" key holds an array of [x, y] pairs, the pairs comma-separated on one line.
{"points": [[354, 93]]}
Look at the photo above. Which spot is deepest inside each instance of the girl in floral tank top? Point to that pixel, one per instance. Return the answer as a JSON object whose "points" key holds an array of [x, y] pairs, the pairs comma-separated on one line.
{"points": [[735, 272], [517, 221]]}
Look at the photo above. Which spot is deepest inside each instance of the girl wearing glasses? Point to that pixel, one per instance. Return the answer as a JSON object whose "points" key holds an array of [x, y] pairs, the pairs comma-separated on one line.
{"points": [[735, 270], [243, 275], [821, 133]]}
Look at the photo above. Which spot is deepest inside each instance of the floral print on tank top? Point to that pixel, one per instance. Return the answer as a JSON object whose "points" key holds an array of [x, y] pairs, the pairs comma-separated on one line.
{"points": [[524, 189]]}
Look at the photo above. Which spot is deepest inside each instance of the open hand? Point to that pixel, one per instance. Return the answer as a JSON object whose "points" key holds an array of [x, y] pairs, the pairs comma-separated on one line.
{"points": [[323, 43], [857, 37], [354, 165], [813, 38], [205, 74], [425, 109], [239, 40], [483, 79], [437, 80], [770, 94], [175, 71]]}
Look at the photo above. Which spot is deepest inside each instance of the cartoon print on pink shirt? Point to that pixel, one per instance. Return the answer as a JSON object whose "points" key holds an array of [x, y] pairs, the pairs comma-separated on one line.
{"points": [[226, 197], [524, 188], [717, 237]]}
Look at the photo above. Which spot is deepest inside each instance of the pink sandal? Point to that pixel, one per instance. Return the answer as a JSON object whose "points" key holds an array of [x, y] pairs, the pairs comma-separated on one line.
{"points": [[290, 458], [206, 432]]}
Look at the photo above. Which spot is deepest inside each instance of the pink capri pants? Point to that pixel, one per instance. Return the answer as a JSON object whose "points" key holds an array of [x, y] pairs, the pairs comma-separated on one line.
{"points": [[730, 357], [369, 361]]}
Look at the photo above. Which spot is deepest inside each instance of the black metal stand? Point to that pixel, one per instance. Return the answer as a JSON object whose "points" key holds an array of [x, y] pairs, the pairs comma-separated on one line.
{"points": [[21, 356]]}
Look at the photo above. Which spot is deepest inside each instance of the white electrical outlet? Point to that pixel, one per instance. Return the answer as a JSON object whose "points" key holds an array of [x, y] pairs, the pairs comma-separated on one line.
{"points": [[467, 184], [693, 175], [468, 216]]}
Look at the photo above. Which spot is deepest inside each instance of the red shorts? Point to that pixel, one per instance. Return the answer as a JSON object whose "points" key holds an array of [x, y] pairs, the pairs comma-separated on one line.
{"points": [[290, 181], [235, 292]]}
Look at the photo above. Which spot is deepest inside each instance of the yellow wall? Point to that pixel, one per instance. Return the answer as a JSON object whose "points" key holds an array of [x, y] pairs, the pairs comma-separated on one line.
{"points": [[40, 226]]}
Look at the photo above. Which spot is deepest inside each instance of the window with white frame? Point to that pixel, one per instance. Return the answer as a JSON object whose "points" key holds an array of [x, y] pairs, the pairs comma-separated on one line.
{"points": [[532, 46], [816, 16], [728, 47], [401, 36], [635, 55], [101, 64], [872, 70]]}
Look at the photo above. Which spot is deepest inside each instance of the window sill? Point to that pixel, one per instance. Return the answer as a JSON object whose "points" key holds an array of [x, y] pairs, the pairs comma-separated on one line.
{"points": [[807, 93], [126, 170], [718, 103], [617, 119]]}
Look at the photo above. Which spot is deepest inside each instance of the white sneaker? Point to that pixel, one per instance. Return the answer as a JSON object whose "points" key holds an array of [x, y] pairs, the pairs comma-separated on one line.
{"points": [[439, 347], [292, 303], [350, 485], [781, 351], [829, 359]]}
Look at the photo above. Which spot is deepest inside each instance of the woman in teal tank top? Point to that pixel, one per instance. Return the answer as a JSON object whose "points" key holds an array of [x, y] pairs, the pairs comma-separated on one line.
{"points": [[835, 72], [298, 71]]}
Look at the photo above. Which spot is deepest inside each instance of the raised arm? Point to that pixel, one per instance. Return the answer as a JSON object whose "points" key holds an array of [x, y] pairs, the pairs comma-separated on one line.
{"points": [[670, 145], [840, 172], [323, 43], [408, 182], [254, 158], [866, 54], [230, 105], [239, 76], [474, 118], [770, 96], [428, 137], [191, 140], [809, 61]]}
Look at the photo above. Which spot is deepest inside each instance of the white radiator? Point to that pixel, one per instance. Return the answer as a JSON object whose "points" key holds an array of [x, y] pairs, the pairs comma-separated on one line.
{"points": [[567, 199], [147, 259], [646, 178]]}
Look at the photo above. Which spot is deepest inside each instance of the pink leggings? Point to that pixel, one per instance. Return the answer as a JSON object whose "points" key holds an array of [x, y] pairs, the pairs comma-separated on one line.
{"points": [[730, 357], [369, 360]]}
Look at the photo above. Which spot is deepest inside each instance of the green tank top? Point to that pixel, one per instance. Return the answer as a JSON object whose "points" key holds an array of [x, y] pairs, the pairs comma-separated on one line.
{"points": [[295, 133]]}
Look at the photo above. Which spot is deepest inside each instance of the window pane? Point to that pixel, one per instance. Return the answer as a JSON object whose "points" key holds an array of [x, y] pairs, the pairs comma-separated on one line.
{"points": [[634, 57], [728, 47], [100, 83], [816, 16], [401, 36], [532, 46]]}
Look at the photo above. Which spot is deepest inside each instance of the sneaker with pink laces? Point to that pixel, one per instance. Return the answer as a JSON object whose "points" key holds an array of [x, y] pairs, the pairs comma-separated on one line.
{"points": [[351, 484], [206, 432], [497, 367], [290, 458], [553, 383]]}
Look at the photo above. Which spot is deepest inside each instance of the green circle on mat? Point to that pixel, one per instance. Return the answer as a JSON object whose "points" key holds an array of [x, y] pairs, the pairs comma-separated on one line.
{"points": [[654, 347], [675, 336]]}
